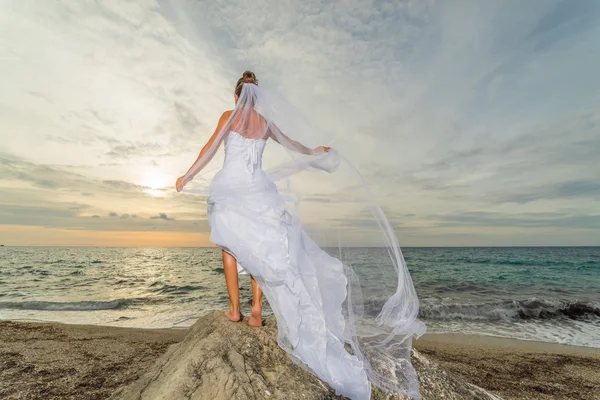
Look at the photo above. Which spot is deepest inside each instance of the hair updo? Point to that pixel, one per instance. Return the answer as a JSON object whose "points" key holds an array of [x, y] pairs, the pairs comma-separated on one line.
{"points": [[247, 77]]}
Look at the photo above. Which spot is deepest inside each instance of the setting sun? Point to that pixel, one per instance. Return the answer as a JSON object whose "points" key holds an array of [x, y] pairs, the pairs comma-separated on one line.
{"points": [[154, 181]]}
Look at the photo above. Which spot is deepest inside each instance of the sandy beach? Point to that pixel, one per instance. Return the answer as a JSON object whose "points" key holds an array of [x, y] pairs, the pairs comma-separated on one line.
{"points": [[518, 369], [58, 361]]}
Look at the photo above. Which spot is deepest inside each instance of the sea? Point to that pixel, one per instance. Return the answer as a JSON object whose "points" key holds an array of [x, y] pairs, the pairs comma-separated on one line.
{"points": [[549, 294]]}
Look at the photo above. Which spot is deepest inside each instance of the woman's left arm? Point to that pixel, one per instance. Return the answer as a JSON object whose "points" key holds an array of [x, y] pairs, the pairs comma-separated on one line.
{"points": [[206, 154], [284, 140]]}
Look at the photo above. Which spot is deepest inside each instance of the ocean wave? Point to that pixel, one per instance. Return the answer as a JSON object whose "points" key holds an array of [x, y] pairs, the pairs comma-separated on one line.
{"points": [[527, 262], [163, 288], [511, 310], [69, 306]]}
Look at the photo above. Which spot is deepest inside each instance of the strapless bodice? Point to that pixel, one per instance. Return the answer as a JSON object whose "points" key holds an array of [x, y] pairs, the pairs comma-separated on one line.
{"points": [[243, 152]]}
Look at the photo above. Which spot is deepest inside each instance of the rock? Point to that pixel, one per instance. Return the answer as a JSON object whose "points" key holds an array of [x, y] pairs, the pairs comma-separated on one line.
{"points": [[221, 360]]}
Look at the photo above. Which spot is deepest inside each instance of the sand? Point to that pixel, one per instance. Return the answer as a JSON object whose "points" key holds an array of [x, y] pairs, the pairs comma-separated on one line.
{"points": [[518, 369], [57, 361]]}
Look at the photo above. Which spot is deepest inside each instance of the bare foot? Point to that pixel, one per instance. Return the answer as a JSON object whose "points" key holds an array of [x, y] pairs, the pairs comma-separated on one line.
{"points": [[256, 317], [233, 316]]}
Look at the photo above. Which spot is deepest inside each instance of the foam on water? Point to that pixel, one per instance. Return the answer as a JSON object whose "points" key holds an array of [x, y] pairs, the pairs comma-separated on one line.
{"points": [[575, 333]]}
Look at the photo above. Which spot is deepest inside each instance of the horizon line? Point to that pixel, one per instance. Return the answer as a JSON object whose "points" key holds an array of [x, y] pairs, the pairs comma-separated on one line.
{"points": [[383, 247]]}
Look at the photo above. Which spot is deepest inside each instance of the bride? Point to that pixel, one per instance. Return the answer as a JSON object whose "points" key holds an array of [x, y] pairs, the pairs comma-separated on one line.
{"points": [[331, 316]]}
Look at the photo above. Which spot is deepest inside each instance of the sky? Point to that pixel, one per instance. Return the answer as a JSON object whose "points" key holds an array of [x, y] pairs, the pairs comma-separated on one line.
{"points": [[475, 123]]}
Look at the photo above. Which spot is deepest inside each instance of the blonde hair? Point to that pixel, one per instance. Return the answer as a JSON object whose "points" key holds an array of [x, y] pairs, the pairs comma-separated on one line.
{"points": [[247, 77]]}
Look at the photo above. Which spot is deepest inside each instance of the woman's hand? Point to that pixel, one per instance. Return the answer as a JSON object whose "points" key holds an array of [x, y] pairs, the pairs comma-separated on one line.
{"points": [[325, 149], [179, 184]]}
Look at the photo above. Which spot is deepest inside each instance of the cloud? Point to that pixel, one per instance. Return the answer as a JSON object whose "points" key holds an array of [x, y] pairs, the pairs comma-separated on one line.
{"points": [[13, 168], [124, 186], [161, 216], [78, 216], [127, 151], [455, 114], [317, 198], [555, 190], [533, 220]]}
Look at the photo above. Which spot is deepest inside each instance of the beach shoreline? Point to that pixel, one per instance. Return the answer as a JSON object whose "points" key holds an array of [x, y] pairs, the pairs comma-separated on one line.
{"points": [[517, 369], [53, 360]]}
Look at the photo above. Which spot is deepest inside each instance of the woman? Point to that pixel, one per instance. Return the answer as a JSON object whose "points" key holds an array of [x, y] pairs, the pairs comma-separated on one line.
{"points": [[315, 297]]}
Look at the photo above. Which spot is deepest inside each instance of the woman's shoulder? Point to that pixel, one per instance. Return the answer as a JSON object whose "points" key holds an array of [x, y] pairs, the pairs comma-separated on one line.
{"points": [[224, 117]]}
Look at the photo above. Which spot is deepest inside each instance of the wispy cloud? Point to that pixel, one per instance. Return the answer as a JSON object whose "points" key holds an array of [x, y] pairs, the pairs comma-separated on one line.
{"points": [[161, 216]]}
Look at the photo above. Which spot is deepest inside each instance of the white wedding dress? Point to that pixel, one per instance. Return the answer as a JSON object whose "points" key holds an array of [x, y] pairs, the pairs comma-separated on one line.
{"points": [[316, 298], [290, 268]]}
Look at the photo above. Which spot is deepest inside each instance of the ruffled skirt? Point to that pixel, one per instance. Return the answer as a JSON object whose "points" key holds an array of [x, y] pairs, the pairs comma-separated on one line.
{"points": [[304, 285]]}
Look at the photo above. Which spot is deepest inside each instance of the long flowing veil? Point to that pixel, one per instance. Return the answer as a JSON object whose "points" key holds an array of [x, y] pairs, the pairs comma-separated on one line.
{"points": [[329, 198]]}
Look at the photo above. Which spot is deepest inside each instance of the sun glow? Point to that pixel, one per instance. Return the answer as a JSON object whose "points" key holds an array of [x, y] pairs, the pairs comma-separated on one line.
{"points": [[155, 182]]}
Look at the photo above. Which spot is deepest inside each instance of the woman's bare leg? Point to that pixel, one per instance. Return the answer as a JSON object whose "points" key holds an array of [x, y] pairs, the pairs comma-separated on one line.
{"points": [[256, 317], [233, 288]]}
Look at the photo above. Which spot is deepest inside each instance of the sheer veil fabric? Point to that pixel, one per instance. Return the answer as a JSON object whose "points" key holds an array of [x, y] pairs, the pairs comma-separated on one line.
{"points": [[336, 280]]}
